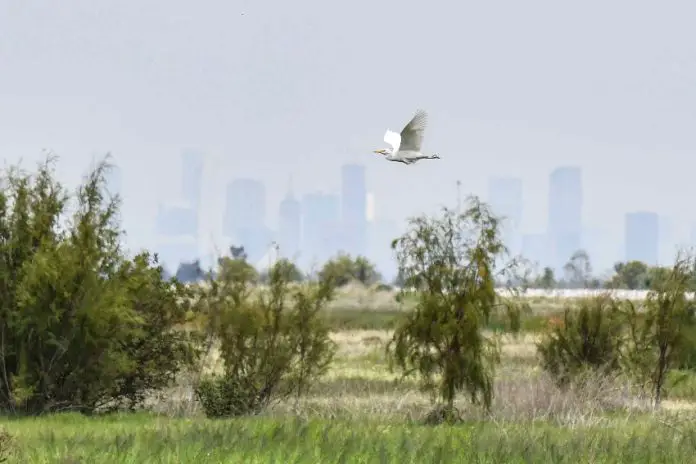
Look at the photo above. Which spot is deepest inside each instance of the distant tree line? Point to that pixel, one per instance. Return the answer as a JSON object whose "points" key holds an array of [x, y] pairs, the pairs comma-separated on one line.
{"points": [[343, 267], [631, 275], [577, 273]]}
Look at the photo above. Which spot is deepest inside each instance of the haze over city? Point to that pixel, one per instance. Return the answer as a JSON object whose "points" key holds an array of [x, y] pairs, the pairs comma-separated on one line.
{"points": [[288, 93]]}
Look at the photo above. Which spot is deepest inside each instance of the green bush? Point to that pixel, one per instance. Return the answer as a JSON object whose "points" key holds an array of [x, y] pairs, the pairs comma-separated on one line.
{"points": [[660, 337], [83, 327], [452, 263], [344, 269], [685, 355], [272, 344], [295, 273], [588, 337]]}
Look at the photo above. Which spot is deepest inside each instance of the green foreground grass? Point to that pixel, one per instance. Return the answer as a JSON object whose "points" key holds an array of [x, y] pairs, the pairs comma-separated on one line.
{"points": [[141, 438], [388, 319], [357, 414]]}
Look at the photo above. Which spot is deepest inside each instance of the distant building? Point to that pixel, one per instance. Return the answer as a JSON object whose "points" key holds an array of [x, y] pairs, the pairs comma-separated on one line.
{"points": [[181, 216], [505, 196], [245, 213], [642, 237], [290, 226], [354, 209], [321, 229], [565, 215]]}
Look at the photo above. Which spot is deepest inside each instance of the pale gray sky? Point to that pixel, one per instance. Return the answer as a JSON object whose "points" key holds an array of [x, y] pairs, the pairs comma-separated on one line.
{"points": [[272, 88]]}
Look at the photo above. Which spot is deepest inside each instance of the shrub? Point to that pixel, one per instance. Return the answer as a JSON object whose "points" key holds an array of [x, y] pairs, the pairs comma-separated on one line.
{"points": [[685, 355], [661, 335], [343, 269], [83, 326], [160, 347], [451, 262], [295, 275], [588, 337], [272, 344]]}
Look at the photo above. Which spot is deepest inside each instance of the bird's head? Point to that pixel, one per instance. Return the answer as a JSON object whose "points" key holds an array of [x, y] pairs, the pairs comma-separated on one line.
{"points": [[383, 151]]}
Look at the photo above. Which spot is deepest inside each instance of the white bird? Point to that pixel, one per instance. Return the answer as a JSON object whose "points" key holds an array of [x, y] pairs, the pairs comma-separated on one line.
{"points": [[406, 147]]}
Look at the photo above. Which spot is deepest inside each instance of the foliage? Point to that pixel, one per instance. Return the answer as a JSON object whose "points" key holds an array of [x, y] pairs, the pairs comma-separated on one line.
{"points": [[658, 335], [81, 325], [632, 275], [272, 343], [451, 262], [236, 269], [588, 337], [160, 347], [547, 279], [685, 353], [578, 270], [343, 269], [636, 275], [295, 275]]}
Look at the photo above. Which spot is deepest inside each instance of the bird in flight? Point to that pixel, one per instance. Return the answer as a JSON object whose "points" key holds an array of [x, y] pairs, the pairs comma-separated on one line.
{"points": [[406, 147]]}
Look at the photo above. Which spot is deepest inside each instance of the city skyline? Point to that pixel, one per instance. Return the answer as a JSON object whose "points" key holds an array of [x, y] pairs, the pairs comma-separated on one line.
{"points": [[315, 225], [264, 96]]}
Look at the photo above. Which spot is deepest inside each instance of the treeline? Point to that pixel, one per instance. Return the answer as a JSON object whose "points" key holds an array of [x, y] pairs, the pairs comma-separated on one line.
{"points": [[84, 326], [344, 267], [577, 273], [631, 275]]}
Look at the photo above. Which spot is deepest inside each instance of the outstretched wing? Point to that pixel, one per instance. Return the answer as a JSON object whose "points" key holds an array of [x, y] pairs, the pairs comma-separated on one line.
{"points": [[412, 134], [393, 139]]}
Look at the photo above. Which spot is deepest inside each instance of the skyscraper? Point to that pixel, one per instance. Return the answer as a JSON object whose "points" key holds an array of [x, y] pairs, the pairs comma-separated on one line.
{"points": [[320, 227], [180, 217], [642, 237], [177, 220], [245, 213], [354, 209], [505, 199], [565, 214], [290, 226]]}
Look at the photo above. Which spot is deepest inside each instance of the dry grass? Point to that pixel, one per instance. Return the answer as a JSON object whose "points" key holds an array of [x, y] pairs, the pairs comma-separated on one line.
{"points": [[6, 445], [359, 385], [356, 296]]}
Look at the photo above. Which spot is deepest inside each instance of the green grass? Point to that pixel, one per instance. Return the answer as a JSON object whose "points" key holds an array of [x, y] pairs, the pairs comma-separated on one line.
{"points": [[386, 319], [360, 414], [681, 385], [141, 438]]}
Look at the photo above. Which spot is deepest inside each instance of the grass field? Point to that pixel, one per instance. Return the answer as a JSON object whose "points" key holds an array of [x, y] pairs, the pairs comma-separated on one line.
{"points": [[361, 413], [144, 439]]}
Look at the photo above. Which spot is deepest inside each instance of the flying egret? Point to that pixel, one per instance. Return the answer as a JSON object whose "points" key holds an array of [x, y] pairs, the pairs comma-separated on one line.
{"points": [[406, 147]]}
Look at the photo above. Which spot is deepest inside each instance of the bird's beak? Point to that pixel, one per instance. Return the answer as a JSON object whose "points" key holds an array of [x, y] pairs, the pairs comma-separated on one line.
{"points": [[379, 152]]}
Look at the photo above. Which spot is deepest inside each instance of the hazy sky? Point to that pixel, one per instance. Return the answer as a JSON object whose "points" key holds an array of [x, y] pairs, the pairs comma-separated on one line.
{"points": [[272, 88]]}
